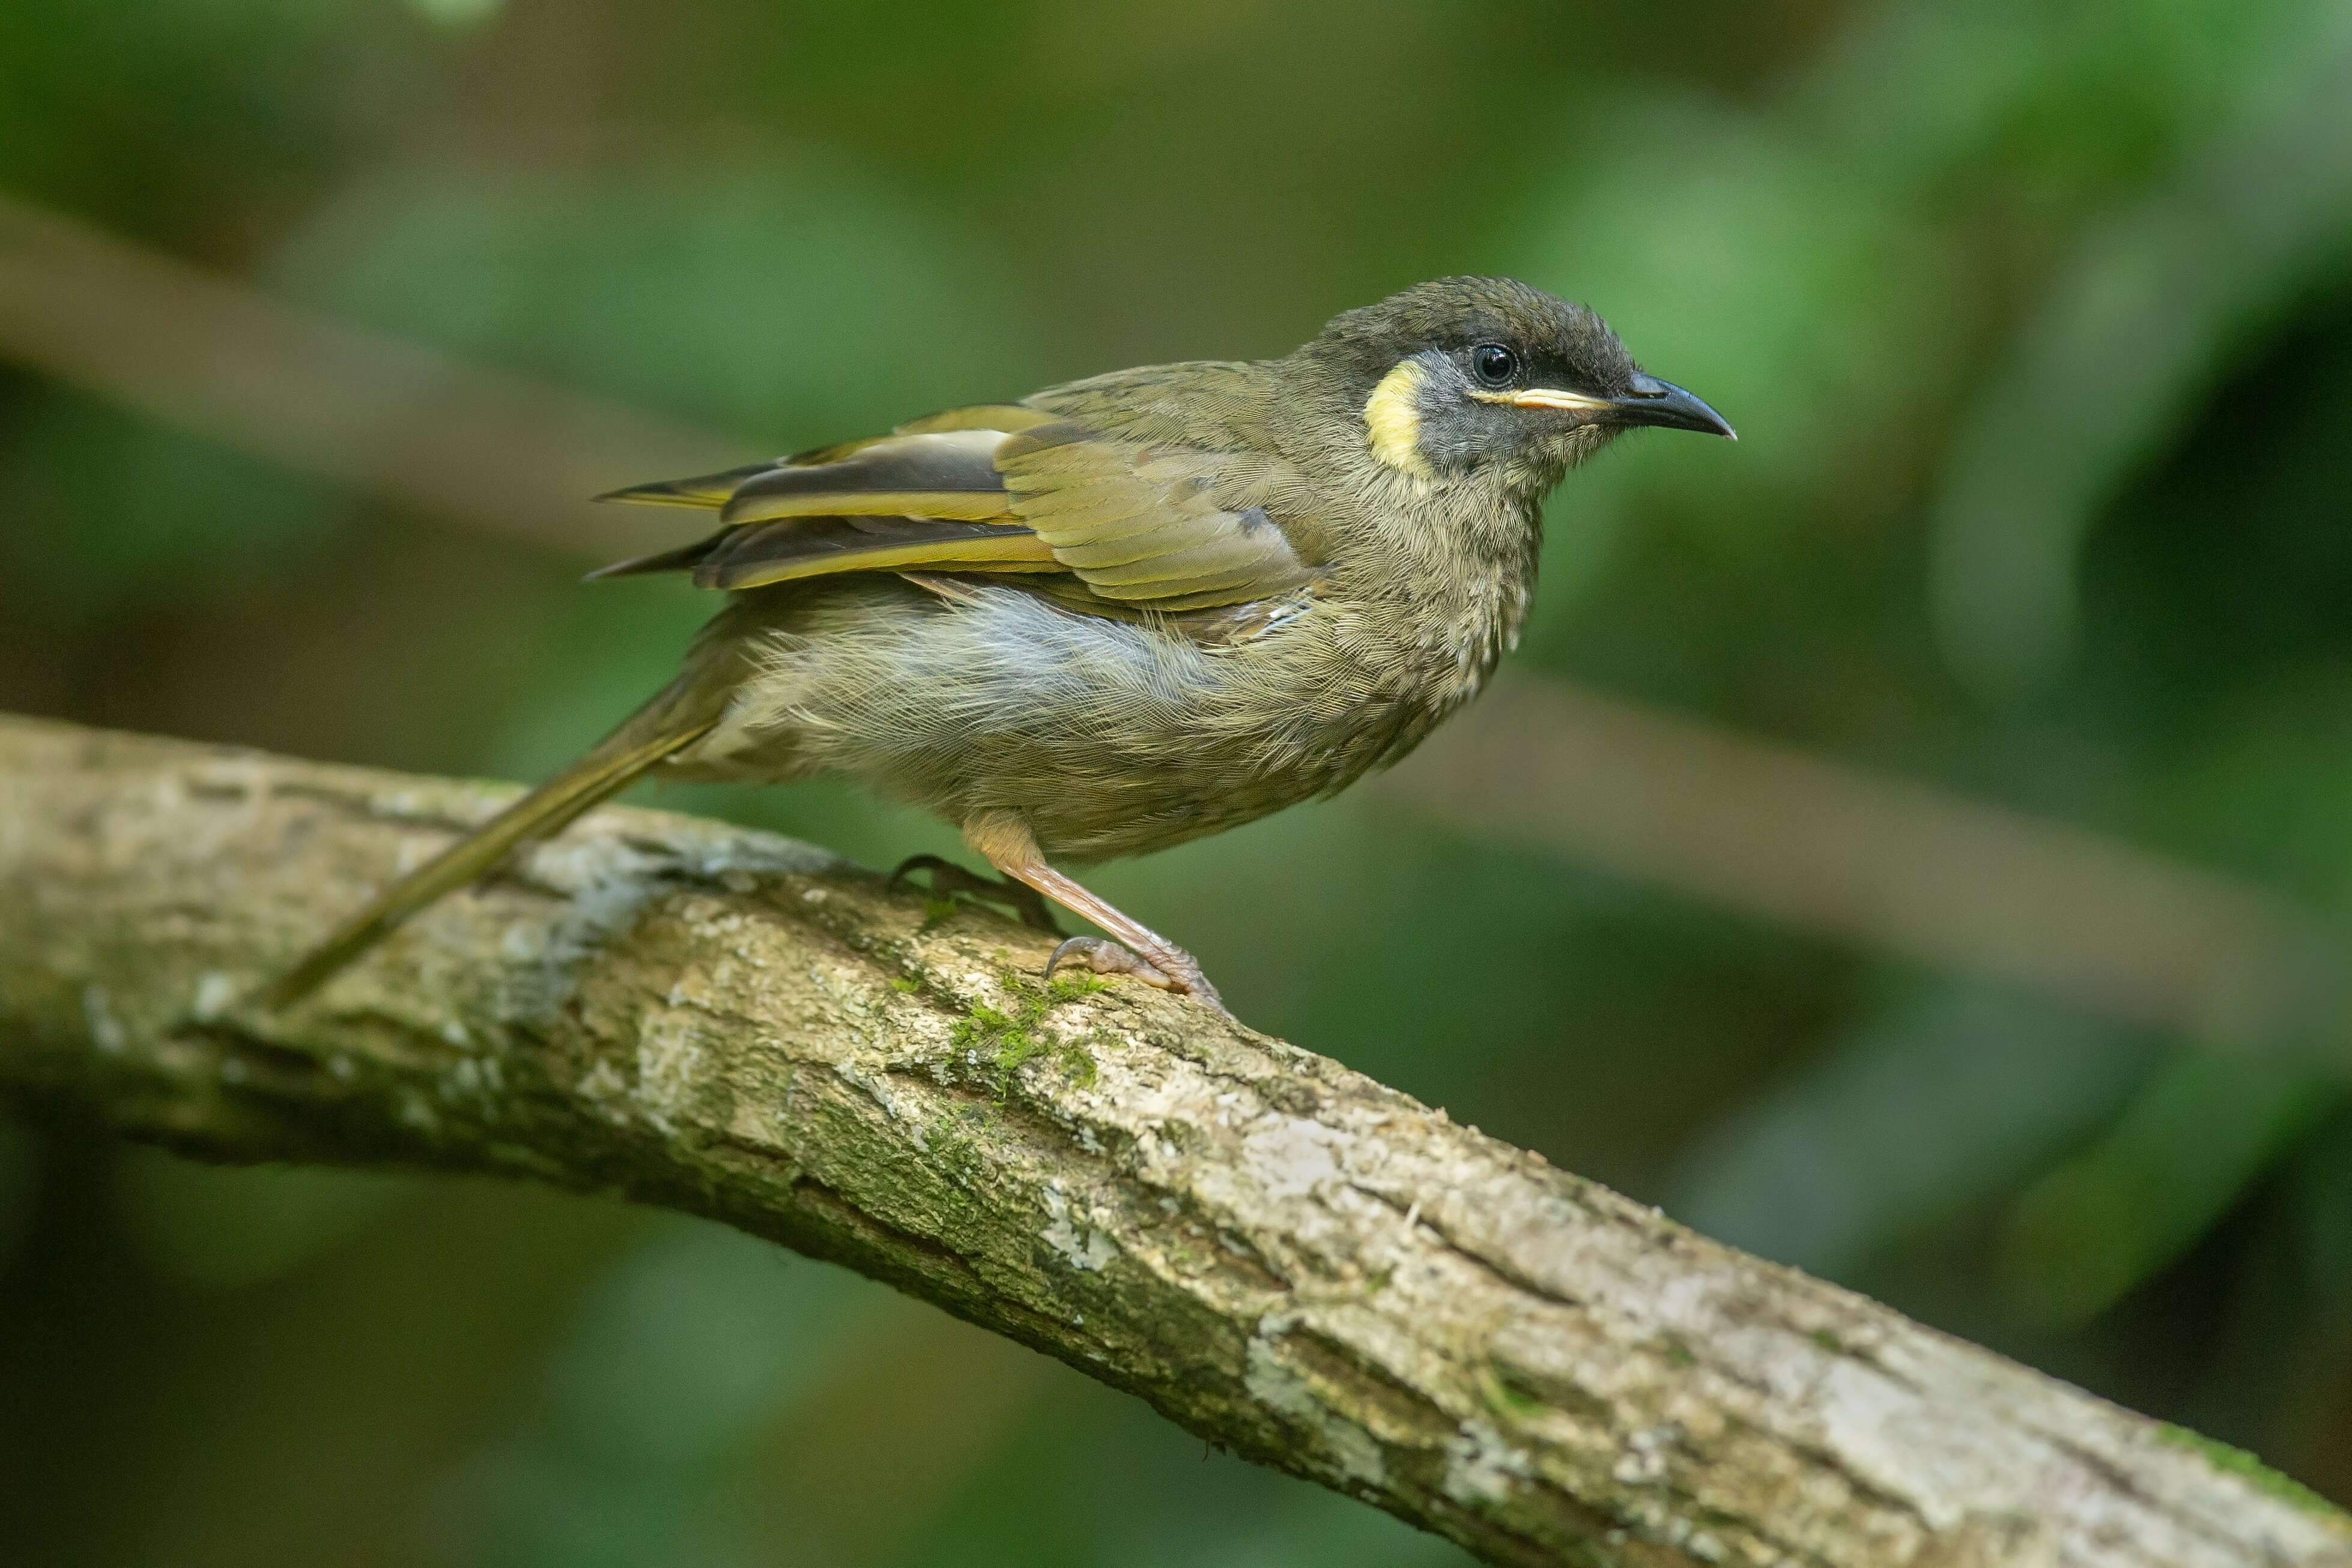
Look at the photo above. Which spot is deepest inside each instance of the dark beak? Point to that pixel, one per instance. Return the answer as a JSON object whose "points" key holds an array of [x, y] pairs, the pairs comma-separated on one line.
{"points": [[1653, 401]]}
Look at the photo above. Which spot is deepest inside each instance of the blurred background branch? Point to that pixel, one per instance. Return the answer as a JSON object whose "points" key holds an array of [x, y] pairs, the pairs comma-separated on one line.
{"points": [[418, 429], [1281, 1255], [1789, 836]]}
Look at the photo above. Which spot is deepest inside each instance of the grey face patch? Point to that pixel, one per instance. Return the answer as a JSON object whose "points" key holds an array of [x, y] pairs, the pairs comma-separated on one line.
{"points": [[1459, 432]]}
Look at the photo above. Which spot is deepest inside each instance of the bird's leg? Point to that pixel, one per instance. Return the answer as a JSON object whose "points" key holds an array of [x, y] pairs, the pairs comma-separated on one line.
{"points": [[947, 877], [1140, 951]]}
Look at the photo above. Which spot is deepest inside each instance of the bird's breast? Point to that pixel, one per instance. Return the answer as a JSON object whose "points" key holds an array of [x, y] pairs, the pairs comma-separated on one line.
{"points": [[1435, 588]]}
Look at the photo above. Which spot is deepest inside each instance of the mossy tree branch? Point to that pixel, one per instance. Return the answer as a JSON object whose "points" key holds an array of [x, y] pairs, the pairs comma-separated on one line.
{"points": [[1280, 1254]]}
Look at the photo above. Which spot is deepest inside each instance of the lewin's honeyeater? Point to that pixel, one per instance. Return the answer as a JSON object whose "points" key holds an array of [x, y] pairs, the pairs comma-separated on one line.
{"points": [[1122, 612]]}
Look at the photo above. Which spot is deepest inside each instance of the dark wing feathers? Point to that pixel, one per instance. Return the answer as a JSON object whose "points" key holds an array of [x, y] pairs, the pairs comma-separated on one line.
{"points": [[686, 558], [703, 490], [1125, 529], [948, 474], [762, 553]]}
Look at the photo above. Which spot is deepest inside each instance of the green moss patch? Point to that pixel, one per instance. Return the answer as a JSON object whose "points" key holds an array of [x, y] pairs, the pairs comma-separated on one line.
{"points": [[1008, 1041]]}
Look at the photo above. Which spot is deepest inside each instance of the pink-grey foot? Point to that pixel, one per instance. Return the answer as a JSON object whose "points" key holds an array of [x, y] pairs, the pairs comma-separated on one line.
{"points": [[1138, 950], [1174, 970]]}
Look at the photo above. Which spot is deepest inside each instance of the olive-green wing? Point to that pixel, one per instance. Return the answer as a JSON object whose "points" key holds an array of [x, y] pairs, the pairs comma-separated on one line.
{"points": [[1164, 528], [1141, 527]]}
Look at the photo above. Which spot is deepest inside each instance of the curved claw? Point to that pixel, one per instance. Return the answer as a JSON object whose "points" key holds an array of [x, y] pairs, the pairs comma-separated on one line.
{"points": [[1173, 970], [1105, 957]]}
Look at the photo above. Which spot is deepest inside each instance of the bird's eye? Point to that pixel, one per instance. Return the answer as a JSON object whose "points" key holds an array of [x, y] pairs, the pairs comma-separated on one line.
{"points": [[1494, 363]]}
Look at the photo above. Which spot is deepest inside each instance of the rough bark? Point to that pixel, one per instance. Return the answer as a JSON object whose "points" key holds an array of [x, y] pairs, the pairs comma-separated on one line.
{"points": [[1286, 1258]]}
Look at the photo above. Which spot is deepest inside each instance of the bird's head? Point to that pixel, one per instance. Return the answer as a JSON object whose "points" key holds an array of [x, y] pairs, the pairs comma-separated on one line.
{"points": [[1462, 374]]}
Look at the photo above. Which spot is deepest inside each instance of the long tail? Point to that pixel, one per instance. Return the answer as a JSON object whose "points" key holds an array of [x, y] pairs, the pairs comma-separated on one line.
{"points": [[655, 731]]}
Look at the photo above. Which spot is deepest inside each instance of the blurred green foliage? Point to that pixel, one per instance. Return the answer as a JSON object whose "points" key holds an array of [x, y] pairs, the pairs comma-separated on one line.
{"points": [[2035, 316]]}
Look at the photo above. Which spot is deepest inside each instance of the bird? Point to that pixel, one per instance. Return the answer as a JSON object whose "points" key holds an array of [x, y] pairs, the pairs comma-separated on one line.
{"points": [[1119, 613]]}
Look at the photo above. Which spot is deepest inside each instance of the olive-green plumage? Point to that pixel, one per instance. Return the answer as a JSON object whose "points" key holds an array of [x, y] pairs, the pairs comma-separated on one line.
{"points": [[1128, 610]]}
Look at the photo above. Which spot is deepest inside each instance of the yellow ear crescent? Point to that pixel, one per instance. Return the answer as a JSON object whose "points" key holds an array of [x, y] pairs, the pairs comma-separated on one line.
{"points": [[1393, 420]]}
